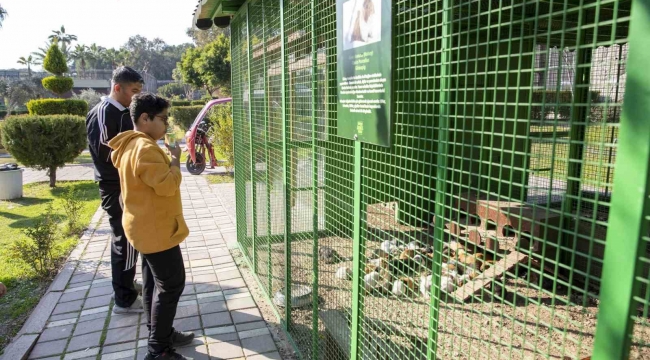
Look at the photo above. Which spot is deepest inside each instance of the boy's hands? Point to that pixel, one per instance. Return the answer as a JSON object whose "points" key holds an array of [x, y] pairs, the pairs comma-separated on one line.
{"points": [[174, 151], [176, 154]]}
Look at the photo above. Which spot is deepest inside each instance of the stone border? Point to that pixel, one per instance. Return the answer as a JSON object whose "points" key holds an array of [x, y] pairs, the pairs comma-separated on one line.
{"points": [[21, 345]]}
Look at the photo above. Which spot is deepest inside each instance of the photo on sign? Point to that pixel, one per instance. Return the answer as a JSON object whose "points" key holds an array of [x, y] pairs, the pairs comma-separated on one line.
{"points": [[361, 23]]}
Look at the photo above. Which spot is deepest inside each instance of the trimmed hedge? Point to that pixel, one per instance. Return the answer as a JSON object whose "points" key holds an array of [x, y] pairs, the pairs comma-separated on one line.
{"points": [[44, 142], [3, 113], [57, 107], [58, 84], [181, 103], [199, 102], [184, 116]]}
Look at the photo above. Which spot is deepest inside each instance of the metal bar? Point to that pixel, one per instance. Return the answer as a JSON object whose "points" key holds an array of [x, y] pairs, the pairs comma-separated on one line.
{"points": [[269, 230], [629, 200], [285, 177], [612, 137], [441, 176], [250, 135], [314, 154], [356, 280], [578, 126]]}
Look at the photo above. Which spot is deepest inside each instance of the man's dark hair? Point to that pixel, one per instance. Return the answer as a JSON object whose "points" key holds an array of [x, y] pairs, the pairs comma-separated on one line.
{"points": [[147, 103], [126, 75]]}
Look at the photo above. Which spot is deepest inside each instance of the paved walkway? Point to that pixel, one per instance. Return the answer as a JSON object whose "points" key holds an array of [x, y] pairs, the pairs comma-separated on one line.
{"points": [[74, 320]]}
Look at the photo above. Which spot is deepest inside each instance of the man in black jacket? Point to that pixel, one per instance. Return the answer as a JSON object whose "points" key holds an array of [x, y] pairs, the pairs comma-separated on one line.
{"points": [[109, 118]]}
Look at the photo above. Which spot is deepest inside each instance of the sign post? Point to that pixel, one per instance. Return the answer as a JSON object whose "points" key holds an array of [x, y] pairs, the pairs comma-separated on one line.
{"points": [[364, 68]]}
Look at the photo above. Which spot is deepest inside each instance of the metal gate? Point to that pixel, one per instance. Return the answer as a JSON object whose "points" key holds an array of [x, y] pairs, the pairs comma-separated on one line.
{"points": [[494, 226]]}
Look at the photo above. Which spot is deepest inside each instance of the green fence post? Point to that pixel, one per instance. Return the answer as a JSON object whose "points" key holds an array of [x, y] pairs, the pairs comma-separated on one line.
{"points": [[269, 230], [250, 135], [356, 244], [285, 174], [441, 176], [314, 154], [629, 200]]}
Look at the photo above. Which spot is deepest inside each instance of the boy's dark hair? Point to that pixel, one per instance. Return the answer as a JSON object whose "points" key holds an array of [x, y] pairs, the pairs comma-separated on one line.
{"points": [[126, 75], [147, 103]]}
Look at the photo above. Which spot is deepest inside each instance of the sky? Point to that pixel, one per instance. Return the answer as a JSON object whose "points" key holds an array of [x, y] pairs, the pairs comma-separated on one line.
{"points": [[109, 23]]}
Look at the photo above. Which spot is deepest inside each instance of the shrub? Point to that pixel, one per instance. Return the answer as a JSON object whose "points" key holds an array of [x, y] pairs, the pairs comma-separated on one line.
{"points": [[44, 142], [222, 132], [57, 107], [18, 112], [181, 103], [73, 205], [3, 113], [199, 102], [172, 89], [58, 84], [184, 116], [38, 251], [90, 96], [54, 61]]}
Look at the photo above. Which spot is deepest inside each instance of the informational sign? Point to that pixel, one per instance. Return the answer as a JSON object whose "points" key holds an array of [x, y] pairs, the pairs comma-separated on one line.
{"points": [[364, 67]]}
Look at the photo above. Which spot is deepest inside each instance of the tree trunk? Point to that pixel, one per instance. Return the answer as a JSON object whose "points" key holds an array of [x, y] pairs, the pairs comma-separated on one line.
{"points": [[52, 175]]}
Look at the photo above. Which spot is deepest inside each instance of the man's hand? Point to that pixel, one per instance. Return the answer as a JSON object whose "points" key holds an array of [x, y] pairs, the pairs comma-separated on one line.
{"points": [[3, 289], [176, 154]]}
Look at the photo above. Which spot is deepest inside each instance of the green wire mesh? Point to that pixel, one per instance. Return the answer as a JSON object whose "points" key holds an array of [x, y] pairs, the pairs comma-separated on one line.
{"points": [[482, 229]]}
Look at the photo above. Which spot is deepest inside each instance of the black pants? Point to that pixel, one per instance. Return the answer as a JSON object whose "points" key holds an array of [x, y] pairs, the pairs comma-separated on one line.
{"points": [[123, 255], [163, 278]]}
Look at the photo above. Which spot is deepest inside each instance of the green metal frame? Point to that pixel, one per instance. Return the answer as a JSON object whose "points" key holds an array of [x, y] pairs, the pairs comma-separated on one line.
{"points": [[476, 152], [630, 204]]}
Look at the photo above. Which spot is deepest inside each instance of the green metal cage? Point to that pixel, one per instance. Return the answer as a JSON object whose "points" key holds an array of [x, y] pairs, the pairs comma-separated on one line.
{"points": [[494, 226]]}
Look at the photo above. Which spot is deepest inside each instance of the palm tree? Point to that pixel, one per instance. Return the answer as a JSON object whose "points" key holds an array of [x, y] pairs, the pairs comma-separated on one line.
{"points": [[3, 15], [116, 57], [96, 55], [81, 55], [62, 38], [29, 61], [42, 52]]}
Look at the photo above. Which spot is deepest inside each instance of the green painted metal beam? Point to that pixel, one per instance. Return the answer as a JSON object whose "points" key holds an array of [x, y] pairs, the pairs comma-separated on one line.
{"points": [[357, 300], [630, 204], [285, 173], [250, 135], [314, 154]]}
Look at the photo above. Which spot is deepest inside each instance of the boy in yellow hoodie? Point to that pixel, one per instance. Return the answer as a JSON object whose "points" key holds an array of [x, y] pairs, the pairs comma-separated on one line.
{"points": [[153, 219]]}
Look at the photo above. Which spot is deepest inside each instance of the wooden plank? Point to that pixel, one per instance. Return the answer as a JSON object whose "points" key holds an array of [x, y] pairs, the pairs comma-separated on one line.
{"points": [[499, 268]]}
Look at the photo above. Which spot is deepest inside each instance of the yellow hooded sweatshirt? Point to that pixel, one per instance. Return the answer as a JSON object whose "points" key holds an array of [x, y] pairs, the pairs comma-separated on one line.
{"points": [[153, 214]]}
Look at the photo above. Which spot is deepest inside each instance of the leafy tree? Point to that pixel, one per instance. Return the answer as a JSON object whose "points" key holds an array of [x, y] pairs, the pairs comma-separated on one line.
{"points": [[45, 142], [186, 72], [214, 65], [153, 56], [29, 61], [207, 67], [90, 96], [172, 90], [3, 15], [202, 38], [63, 38], [17, 93]]}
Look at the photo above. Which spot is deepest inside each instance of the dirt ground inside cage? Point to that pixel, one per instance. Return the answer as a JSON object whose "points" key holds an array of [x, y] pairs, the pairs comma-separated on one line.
{"points": [[509, 319]]}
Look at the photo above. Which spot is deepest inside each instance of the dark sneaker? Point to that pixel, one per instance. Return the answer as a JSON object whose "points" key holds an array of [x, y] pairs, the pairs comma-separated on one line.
{"points": [[182, 338], [167, 355]]}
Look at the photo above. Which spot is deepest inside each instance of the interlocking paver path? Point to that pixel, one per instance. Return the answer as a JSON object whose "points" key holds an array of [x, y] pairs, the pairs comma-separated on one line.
{"points": [[216, 303]]}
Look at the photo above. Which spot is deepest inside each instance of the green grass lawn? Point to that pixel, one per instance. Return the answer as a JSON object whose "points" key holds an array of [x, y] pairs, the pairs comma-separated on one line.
{"points": [[24, 286], [598, 158]]}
